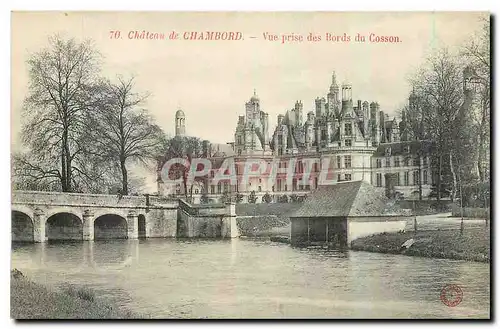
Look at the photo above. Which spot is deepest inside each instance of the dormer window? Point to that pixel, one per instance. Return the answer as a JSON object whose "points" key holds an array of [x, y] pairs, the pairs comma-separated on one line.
{"points": [[388, 152], [348, 129]]}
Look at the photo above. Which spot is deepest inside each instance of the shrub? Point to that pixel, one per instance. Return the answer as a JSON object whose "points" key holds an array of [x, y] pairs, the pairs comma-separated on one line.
{"points": [[239, 197], [267, 198], [252, 198], [225, 198], [204, 199], [16, 274], [283, 198], [82, 293]]}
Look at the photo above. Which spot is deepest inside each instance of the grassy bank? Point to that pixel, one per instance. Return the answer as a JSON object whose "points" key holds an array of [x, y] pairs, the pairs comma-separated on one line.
{"points": [[29, 300], [473, 245]]}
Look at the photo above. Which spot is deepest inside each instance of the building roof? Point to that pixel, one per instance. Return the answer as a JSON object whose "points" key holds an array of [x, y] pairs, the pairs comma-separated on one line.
{"points": [[398, 148], [222, 150], [348, 199]]}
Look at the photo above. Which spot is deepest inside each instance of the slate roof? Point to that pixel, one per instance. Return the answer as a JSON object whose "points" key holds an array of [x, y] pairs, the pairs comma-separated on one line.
{"points": [[222, 150], [348, 199], [397, 148]]}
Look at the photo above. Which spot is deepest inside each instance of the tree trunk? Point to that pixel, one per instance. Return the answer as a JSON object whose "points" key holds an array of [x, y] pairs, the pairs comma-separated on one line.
{"points": [[184, 182], [480, 160], [438, 184], [69, 184], [453, 173], [419, 177], [66, 164], [480, 153], [124, 177], [63, 171]]}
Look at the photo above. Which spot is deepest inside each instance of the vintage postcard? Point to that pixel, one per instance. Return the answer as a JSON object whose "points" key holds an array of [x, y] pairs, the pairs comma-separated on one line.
{"points": [[250, 165]]}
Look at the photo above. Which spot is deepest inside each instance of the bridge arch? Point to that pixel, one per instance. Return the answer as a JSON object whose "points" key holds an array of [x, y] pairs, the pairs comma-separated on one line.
{"points": [[22, 227], [99, 212], [63, 226], [66, 210], [110, 226], [142, 226], [29, 211]]}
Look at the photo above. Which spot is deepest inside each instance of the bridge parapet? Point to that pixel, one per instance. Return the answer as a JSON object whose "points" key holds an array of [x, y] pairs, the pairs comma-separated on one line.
{"points": [[203, 209], [95, 200]]}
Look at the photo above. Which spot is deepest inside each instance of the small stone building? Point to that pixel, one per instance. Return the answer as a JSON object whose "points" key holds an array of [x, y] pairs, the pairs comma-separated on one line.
{"points": [[334, 215]]}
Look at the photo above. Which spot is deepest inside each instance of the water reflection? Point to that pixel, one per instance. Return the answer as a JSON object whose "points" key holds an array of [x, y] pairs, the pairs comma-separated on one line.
{"points": [[244, 278]]}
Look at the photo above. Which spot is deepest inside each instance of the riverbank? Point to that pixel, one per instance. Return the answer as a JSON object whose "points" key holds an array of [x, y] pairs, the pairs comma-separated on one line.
{"points": [[473, 245], [30, 300]]}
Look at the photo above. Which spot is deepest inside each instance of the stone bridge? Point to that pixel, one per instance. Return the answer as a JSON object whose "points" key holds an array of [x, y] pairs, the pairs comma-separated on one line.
{"points": [[42, 216]]}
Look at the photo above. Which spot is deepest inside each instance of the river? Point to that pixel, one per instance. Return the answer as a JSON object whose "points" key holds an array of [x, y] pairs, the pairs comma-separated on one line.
{"points": [[257, 279]]}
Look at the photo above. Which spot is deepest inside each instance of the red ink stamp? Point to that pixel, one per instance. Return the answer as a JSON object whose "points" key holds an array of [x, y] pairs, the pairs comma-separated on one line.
{"points": [[451, 295]]}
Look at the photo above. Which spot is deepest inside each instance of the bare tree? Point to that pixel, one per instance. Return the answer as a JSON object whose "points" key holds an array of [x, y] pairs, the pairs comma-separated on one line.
{"points": [[439, 88], [54, 110], [478, 84], [122, 131], [413, 118], [33, 173]]}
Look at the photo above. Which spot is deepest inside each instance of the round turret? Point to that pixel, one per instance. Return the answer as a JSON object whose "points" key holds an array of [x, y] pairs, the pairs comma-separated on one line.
{"points": [[180, 114], [254, 98], [180, 123]]}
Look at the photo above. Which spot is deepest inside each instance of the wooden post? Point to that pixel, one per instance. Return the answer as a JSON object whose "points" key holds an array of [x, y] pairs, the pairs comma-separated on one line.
{"points": [[415, 217], [326, 238], [308, 229]]}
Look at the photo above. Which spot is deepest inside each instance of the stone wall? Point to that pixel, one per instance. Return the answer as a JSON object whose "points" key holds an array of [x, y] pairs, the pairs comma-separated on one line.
{"points": [[90, 200], [68, 199], [299, 231], [364, 226], [199, 227], [260, 225], [201, 221], [161, 223]]}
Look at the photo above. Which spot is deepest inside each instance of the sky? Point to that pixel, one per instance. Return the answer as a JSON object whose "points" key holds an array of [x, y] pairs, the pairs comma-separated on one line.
{"points": [[211, 80]]}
